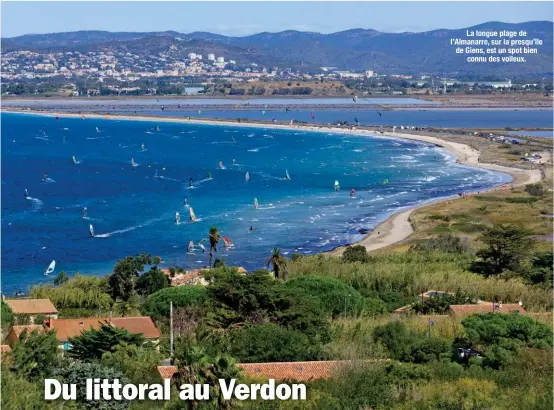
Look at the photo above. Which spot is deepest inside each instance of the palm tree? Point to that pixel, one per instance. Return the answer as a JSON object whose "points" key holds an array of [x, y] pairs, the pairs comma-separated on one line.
{"points": [[193, 366], [279, 263], [224, 367], [214, 240]]}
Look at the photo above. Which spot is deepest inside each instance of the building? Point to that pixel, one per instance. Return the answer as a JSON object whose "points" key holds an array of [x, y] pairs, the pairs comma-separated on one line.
{"points": [[192, 56], [16, 331], [211, 57], [297, 371], [220, 59], [33, 308], [68, 328], [369, 73]]}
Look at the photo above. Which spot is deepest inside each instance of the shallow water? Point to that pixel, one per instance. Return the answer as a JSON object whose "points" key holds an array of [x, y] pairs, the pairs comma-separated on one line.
{"points": [[134, 212]]}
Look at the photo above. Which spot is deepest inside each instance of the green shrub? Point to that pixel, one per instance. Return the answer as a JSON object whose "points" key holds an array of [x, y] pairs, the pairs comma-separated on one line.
{"points": [[6, 314], [444, 243], [271, 343], [534, 189], [334, 296], [356, 253], [157, 304]]}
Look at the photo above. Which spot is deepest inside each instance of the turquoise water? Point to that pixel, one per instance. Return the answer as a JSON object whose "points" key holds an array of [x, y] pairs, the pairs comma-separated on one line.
{"points": [[134, 212]]}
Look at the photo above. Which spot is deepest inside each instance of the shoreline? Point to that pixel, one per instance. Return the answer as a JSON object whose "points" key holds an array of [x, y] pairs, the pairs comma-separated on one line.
{"points": [[397, 226]]}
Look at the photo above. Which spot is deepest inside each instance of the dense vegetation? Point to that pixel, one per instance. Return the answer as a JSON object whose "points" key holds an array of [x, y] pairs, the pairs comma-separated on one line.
{"points": [[317, 308]]}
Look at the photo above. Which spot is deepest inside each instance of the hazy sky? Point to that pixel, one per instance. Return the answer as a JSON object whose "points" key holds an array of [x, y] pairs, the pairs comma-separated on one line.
{"points": [[243, 18]]}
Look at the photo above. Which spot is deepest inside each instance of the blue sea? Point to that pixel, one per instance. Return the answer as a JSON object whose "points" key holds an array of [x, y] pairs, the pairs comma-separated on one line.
{"points": [[133, 211]]}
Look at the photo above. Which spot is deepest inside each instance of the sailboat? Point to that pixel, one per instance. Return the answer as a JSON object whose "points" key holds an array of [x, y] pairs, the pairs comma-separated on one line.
{"points": [[26, 193], [287, 176], [133, 163], [177, 218], [75, 160], [256, 203], [191, 214], [247, 176], [50, 268], [190, 248], [337, 186], [158, 128], [142, 147], [97, 129], [228, 243], [91, 230]]}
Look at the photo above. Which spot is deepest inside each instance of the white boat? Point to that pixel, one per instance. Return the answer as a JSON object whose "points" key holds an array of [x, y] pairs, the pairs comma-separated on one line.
{"points": [[287, 176], [177, 218], [191, 214], [91, 230], [256, 203], [50, 268], [337, 186], [247, 176], [190, 248]]}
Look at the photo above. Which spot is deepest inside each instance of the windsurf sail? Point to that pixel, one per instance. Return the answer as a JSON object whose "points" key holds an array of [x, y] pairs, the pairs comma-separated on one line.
{"points": [[156, 174], [50, 268], [287, 176], [177, 218], [228, 243], [256, 203], [91, 230], [191, 214], [190, 248], [263, 112], [97, 129], [386, 181], [220, 164], [234, 140], [186, 202], [133, 163], [85, 213], [202, 247], [158, 128], [74, 159], [352, 193], [247, 176], [142, 147], [337, 185], [209, 175], [26, 194]]}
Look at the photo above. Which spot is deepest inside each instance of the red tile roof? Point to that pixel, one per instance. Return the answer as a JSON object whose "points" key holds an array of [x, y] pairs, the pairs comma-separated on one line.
{"points": [[17, 330], [66, 328], [299, 371], [31, 306], [5, 348]]}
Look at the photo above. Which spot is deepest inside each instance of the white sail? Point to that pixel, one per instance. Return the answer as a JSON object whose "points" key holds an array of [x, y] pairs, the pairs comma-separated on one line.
{"points": [[142, 147], [74, 159], [337, 186], [91, 230], [256, 203], [190, 248], [50, 268], [133, 163], [157, 128], [202, 247], [247, 177], [84, 212], [26, 194], [192, 215], [177, 218], [287, 175], [97, 130]]}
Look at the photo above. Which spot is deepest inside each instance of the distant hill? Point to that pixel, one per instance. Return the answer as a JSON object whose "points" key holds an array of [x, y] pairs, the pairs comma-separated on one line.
{"points": [[356, 49]]}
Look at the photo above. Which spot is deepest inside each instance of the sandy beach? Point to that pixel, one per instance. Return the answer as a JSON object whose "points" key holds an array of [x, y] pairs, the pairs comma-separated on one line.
{"points": [[398, 226]]}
